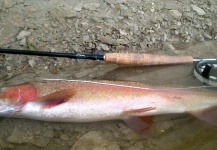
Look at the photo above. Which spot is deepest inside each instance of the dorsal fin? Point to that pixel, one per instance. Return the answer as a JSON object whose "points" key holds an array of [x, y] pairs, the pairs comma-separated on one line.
{"points": [[56, 98]]}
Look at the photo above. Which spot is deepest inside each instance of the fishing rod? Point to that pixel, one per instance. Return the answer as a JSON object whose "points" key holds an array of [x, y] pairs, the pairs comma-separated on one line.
{"points": [[116, 58], [205, 69]]}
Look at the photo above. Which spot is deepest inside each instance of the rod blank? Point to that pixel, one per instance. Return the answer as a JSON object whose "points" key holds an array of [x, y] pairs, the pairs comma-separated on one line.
{"points": [[53, 54]]}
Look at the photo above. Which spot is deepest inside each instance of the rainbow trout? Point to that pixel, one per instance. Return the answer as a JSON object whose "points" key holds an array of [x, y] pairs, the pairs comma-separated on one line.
{"points": [[90, 101]]}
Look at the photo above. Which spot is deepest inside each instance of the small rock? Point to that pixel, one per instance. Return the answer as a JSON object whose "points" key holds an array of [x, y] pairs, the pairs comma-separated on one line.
{"points": [[108, 31], [64, 137], [152, 10], [208, 22], [200, 38], [8, 3], [8, 58], [32, 63], [110, 41], [23, 42], [8, 68], [20, 1], [78, 7], [95, 140], [9, 75], [19, 136], [128, 134], [76, 48], [176, 32], [70, 14], [86, 38], [143, 46], [120, 48], [104, 47], [175, 13], [27, 3], [48, 133], [91, 6], [122, 32], [23, 34], [5, 145], [199, 11], [164, 37], [214, 32], [168, 46], [57, 141], [207, 36]]}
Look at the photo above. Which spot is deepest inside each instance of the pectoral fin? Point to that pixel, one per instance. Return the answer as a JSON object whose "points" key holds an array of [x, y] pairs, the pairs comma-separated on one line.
{"points": [[56, 98], [208, 115]]}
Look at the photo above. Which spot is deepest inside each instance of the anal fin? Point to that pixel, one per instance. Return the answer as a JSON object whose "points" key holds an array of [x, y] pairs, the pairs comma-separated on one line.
{"points": [[208, 115], [138, 122], [141, 125]]}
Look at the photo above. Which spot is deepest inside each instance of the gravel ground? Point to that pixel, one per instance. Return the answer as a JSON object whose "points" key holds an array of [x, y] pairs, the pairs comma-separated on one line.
{"points": [[171, 27]]}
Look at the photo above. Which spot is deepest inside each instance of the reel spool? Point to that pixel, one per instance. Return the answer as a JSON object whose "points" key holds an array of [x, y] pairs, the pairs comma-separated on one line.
{"points": [[206, 71]]}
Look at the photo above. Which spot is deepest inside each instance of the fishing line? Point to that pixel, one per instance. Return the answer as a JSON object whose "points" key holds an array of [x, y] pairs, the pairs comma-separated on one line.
{"points": [[128, 86]]}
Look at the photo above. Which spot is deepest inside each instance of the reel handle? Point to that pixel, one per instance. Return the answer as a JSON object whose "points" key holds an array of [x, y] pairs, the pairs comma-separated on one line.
{"points": [[146, 59]]}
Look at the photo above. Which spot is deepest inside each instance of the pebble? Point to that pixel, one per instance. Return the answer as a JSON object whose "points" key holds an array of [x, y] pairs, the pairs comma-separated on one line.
{"points": [[23, 34], [91, 6], [19, 136], [108, 31], [70, 14], [164, 37], [48, 134], [8, 58], [23, 42], [8, 68], [8, 3], [64, 137], [104, 47], [199, 11], [122, 32], [110, 41], [128, 134], [27, 3], [175, 13], [32, 63], [86, 38], [78, 7], [152, 10], [208, 22], [95, 140], [207, 36], [168, 46], [200, 38]]}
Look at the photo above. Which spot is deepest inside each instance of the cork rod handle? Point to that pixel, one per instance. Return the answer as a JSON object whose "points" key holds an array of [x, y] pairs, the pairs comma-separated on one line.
{"points": [[146, 59]]}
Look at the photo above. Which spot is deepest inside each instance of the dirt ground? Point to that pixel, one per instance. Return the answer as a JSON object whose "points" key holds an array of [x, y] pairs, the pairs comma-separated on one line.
{"points": [[173, 27]]}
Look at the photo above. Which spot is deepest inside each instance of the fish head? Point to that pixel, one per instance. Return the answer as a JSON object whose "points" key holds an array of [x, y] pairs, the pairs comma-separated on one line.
{"points": [[13, 98]]}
